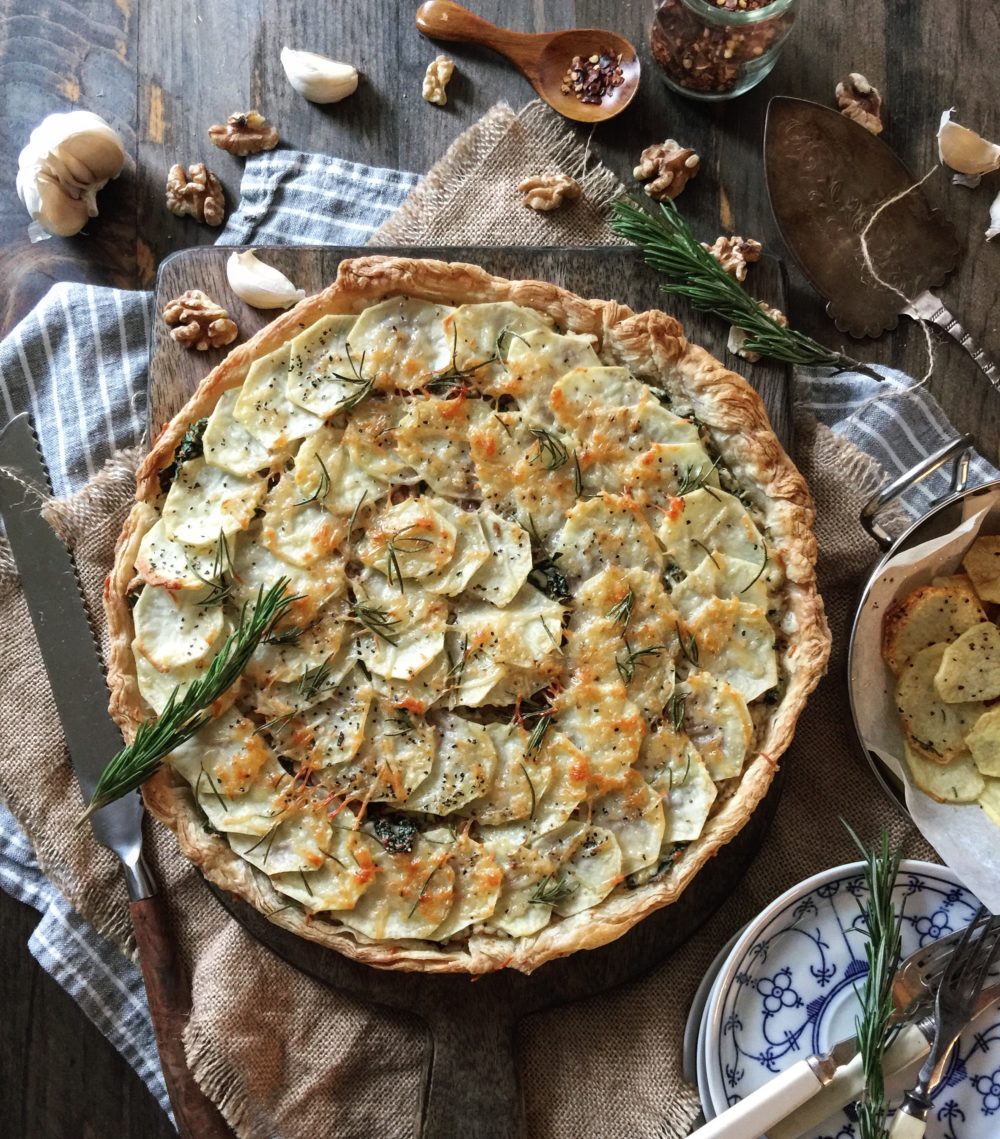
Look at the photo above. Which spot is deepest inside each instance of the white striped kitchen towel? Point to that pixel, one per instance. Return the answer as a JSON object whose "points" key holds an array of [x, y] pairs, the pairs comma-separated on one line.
{"points": [[78, 364]]}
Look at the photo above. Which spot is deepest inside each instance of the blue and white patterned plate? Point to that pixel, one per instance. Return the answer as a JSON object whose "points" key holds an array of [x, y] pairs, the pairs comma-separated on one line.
{"points": [[788, 989]]}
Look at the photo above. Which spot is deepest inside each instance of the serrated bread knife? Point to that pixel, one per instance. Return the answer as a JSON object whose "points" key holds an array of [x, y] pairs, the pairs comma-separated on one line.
{"points": [[71, 659]]}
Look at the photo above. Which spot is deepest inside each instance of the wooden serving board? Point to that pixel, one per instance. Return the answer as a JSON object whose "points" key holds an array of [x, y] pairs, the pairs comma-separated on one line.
{"points": [[471, 1085], [176, 371]]}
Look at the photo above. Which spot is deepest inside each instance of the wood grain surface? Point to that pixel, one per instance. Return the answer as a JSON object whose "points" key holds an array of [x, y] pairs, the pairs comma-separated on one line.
{"points": [[161, 71]]}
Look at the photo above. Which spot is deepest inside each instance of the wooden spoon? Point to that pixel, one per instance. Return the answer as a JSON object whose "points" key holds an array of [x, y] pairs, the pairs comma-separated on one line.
{"points": [[542, 58]]}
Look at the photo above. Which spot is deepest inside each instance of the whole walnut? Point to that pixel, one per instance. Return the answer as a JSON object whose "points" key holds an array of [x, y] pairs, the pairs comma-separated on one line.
{"points": [[197, 193], [246, 132], [198, 322], [669, 165]]}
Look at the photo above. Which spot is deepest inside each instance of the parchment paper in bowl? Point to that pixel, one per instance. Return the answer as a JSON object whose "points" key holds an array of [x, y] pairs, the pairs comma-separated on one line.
{"points": [[963, 835]]}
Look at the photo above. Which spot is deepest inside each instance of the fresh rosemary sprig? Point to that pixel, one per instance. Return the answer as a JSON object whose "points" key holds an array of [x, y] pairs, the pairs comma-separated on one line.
{"points": [[695, 478], [551, 449], [689, 646], [622, 612], [628, 658], [442, 382], [322, 486], [401, 543], [456, 669], [219, 585], [376, 621], [550, 890], [670, 246], [290, 635], [675, 710], [531, 788], [882, 951], [185, 713], [543, 721], [354, 514], [757, 575], [363, 384], [314, 680]]}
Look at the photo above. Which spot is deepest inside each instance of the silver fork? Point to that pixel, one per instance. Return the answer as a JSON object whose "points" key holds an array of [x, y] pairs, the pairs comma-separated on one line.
{"points": [[960, 985]]}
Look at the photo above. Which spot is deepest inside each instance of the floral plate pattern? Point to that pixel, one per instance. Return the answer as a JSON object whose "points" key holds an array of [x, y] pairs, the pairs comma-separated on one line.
{"points": [[788, 989]]}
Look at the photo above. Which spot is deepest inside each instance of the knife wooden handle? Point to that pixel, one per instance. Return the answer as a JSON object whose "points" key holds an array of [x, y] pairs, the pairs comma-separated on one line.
{"points": [[169, 993]]}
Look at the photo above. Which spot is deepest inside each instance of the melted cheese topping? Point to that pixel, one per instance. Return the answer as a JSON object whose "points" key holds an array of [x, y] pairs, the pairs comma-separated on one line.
{"points": [[528, 629]]}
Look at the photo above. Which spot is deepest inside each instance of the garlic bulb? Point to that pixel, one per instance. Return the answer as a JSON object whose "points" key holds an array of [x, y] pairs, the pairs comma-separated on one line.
{"points": [[69, 157], [260, 285], [964, 150], [994, 229], [317, 77]]}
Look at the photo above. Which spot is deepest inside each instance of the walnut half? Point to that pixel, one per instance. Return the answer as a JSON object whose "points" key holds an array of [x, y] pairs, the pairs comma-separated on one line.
{"points": [[198, 322], [439, 72], [669, 165], [860, 101], [246, 132], [197, 192], [549, 191], [734, 254], [738, 338]]}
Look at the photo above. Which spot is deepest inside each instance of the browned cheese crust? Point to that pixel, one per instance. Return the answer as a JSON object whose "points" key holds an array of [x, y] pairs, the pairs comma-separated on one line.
{"points": [[651, 345]]}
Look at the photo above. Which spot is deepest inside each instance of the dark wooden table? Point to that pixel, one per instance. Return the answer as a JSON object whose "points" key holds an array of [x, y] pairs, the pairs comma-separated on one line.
{"points": [[161, 71]]}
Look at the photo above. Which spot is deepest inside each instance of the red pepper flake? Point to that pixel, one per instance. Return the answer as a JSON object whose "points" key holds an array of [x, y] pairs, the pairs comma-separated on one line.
{"points": [[591, 78]]}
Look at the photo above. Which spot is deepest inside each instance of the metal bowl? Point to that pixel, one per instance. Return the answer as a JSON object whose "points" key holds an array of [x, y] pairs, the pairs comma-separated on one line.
{"points": [[943, 517]]}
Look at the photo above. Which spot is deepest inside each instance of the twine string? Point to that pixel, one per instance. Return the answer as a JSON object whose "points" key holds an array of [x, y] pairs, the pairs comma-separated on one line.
{"points": [[866, 256]]}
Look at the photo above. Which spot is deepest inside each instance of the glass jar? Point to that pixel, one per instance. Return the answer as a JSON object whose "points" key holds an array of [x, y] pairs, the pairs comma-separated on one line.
{"points": [[717, 49]]}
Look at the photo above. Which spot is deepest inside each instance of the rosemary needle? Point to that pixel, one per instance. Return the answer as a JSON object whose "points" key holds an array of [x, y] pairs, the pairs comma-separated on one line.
{"points": [[669, 245], [185, 713], [883, 952]]}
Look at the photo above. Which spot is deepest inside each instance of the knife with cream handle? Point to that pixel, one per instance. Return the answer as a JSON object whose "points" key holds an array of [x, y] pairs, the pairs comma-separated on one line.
{"points": [[757, 1113], [800, 1099], [900, 1064]]}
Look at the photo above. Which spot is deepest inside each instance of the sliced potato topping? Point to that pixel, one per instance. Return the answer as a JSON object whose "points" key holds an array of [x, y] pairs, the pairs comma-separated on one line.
{"points": [[528, 622]]}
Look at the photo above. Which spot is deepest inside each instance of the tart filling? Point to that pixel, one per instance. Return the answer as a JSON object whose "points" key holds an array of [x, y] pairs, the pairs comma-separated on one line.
{"points": [[540, 624]]}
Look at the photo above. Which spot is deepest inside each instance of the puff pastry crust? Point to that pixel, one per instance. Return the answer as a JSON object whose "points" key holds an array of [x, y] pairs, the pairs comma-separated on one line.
{"points": [[732, 422]]}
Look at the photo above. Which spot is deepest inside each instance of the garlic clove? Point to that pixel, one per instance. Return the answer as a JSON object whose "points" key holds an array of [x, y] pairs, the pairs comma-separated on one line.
{"points": [[68, 158], [64, 216], [260, 285], [317, 77], [964, 150], [994, 229]]}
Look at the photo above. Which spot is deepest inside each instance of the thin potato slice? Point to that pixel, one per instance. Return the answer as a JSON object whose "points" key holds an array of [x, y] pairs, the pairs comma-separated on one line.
{"points": [[989, 799], [982, 564], [970, 666], [957, 782], [930, 615], [984, 742], [936, 729]]}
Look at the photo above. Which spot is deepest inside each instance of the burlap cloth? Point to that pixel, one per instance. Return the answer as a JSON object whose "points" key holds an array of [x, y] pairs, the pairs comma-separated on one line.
{"points": [[285, 1057]]}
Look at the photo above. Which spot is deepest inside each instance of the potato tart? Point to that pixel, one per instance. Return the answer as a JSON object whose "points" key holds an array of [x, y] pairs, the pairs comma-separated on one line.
{"points": [[556, 615]]}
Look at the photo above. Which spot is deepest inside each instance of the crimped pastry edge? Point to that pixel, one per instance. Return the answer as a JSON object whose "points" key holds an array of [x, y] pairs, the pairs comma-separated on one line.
{"points": [[651, 344]]}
